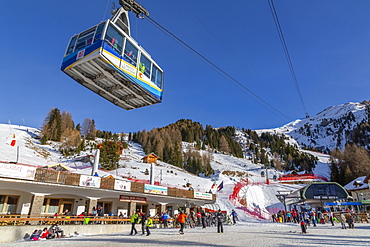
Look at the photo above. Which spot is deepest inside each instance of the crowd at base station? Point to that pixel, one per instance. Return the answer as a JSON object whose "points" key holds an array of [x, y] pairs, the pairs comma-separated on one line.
{"points": [[145, 222], [320, 217]]}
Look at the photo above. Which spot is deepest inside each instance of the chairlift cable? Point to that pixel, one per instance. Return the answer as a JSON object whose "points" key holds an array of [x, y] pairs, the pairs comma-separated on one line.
{"points": [[228, 50], [106, 9], [285, 48], [163, 29]]}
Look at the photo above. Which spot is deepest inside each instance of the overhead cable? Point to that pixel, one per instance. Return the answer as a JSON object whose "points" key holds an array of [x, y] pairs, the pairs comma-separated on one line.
{"points": [[225, 74], [285, 48]]}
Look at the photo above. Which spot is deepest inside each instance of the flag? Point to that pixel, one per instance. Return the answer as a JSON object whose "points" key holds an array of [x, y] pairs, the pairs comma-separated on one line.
{"points": [[13, 143], [214, 184], [220, 186]]}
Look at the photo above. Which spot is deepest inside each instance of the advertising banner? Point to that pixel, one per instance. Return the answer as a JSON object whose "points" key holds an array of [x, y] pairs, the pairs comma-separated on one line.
{"points": [[17, 171], [200, 195], [122, 185], [90, 181], [154, 189]]}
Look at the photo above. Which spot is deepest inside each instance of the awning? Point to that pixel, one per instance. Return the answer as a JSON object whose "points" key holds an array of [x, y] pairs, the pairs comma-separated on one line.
{"points": [[342, 203]]}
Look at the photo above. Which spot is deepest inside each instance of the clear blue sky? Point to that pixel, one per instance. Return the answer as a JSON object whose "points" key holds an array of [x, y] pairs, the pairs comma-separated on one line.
{"points": [[328, 41]]}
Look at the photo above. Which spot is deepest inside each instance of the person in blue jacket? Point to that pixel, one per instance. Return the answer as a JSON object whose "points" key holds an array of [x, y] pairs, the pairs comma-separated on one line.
{"points": [[165, 219], [234, 215]]}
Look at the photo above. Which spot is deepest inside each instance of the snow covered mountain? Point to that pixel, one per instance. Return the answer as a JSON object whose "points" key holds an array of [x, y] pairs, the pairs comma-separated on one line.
{"points": [[333, 127]]}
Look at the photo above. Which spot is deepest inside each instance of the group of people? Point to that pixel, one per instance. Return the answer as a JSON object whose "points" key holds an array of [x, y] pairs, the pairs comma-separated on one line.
{"points": [[202, 218], [182, 220], [55, 231], [208, 219], [312, 217], [141, 218]]}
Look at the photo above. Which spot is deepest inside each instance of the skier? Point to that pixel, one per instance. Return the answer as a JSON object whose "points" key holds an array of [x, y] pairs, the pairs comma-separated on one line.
{"points": [[220, 217], [181, 219], [234, 215]]}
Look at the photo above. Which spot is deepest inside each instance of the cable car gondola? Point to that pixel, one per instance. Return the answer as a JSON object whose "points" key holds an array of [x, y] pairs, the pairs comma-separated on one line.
{"points": [[108, 61]]}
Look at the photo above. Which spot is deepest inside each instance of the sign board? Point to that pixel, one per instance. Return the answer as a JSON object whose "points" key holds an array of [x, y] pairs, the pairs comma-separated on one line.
{"points": [[89, 181], [17, 171], [200, 195], [80, 209], [152, 212], [132, 199], [25, 208], [325, 197], [123, 211], [154, 189], [122, 185]]}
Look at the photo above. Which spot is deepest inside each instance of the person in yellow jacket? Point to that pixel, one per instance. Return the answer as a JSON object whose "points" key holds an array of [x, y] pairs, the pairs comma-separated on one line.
{"points": [[149, 223], [133, 220]]}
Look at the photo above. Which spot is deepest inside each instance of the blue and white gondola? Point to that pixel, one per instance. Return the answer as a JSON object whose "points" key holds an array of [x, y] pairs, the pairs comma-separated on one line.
{"points": [[108, 61]]}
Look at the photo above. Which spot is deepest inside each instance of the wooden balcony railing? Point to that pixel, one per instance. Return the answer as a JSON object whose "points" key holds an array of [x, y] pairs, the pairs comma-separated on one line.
{"points": [[67, 178]]}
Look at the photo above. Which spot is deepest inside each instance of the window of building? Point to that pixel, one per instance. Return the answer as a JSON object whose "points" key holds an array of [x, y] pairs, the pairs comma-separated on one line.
{"points": [[57, 205], [50, 206], [8, 204], [107, 206]]}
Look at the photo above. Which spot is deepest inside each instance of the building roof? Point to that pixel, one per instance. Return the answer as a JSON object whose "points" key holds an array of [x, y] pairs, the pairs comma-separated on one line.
{"points": [[58, 167], [358, 184], [151, 154]]}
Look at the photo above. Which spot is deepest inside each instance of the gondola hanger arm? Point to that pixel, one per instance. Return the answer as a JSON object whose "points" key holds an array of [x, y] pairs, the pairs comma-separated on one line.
{"points": [[135, 7]]}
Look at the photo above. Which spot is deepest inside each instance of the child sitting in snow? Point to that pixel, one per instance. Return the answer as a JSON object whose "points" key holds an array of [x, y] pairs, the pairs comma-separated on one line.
{"points": [[303, 227], [35, 235]]}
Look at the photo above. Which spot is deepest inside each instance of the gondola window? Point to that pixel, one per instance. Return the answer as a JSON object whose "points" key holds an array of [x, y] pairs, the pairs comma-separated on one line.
{"points": [[157, 77], [99, 31], [131, 53], [85, 39], [145, 66], [114, 39]]}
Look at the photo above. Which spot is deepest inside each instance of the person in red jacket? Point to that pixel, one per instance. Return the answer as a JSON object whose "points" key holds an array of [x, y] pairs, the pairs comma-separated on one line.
{"points": [[182, 219], [45, 233], [303, 227]]}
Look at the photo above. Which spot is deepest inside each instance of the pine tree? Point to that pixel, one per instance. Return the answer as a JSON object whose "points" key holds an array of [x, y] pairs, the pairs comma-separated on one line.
{"points": [[52, 127], [109, 156]]}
